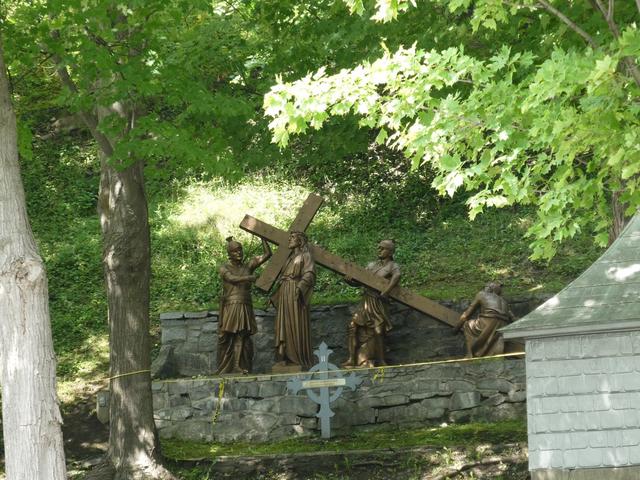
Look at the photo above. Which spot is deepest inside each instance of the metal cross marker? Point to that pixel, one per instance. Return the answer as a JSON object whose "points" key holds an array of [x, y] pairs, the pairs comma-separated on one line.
{"points": [[324, 383]]}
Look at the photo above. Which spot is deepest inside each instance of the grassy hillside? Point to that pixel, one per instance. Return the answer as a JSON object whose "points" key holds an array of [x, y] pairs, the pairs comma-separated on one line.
{"points": [[442, 254]]}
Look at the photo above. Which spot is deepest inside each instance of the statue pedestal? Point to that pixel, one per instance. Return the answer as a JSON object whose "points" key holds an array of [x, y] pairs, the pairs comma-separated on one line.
{"points": [[286, 369]]}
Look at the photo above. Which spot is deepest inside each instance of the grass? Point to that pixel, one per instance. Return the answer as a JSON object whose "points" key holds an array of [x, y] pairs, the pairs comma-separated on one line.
{"points": [[469, 436]]}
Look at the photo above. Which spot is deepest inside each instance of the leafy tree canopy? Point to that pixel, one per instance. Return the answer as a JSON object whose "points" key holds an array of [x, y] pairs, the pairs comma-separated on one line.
{"points": [[547, 114]]}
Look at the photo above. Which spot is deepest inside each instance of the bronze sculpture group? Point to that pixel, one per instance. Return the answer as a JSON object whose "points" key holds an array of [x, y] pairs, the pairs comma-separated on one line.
{"points": [[369, 324]]}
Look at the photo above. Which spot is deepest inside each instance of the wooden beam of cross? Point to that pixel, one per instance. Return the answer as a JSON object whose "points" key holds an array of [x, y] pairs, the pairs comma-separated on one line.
{"points": [[346, 268], [270, 273]]}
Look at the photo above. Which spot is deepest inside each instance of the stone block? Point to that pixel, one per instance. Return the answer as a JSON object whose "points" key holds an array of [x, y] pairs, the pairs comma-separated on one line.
{"points": [[464, 400], [266, 405], [248, 390], [517, 396], [172, 336], [423, 395], [436, 403], [494, 400], [197, 430], [179, 400], [495, 384], [288, 419], [402, 414], [387, 400], [181, 413], [349, 414], [272, 389], [164, 365], [198, 393], [171, 316], [160, 402], [196, 315], [210, 327], [245, 426], [299, 405], [204, 406], [208, 342], [163, 414], [178, 387], [460, 386], [460, 416]]}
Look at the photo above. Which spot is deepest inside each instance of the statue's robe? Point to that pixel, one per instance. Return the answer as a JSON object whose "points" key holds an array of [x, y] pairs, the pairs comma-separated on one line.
{"points": [[293, 326], [372, 315]]}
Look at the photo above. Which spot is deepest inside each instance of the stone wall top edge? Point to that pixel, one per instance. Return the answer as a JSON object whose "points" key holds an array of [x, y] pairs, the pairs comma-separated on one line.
{"points": [[389, 371]]}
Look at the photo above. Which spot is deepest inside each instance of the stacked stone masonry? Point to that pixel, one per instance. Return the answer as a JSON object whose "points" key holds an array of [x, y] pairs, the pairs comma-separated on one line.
{"points": [[259, 408], [583, 394], [189, 339]]}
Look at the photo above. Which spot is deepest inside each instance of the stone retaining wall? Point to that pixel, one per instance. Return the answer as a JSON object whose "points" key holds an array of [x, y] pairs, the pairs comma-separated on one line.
{"points": [[189, 341], [259, 408]]}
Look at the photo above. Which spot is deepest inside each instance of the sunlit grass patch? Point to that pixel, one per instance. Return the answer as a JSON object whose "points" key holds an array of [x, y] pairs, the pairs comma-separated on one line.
{"points": [[91, 367]]}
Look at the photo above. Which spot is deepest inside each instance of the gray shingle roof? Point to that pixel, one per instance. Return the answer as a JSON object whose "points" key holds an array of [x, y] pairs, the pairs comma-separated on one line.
{"points": [[605, 297]]}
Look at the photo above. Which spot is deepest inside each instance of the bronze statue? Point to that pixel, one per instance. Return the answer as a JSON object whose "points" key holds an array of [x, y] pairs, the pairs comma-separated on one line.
{"points": [[481, 334], [292, 300], [237, 322], [370, 323]]}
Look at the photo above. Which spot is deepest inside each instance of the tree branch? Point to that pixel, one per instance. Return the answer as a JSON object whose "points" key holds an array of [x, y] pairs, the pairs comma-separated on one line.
{"points": [[90, 120], [629, 62], [571, 24]]}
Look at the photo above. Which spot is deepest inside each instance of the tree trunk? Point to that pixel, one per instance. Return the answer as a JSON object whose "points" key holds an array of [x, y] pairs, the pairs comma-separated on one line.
{"points": [[619, 220], [133, 441], [31, 418]]}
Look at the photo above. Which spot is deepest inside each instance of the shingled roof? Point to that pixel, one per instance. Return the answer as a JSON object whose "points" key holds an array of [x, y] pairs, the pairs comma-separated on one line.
{"points": [[605, 298]]}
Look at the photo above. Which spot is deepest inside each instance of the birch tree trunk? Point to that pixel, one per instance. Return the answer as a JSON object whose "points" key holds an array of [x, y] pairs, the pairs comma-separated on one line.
{"points": [[31, 418]]}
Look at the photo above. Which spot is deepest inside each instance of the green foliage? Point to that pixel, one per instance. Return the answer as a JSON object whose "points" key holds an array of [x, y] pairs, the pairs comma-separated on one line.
{"points": [[198, 71], [469, 435], [566, 139]]}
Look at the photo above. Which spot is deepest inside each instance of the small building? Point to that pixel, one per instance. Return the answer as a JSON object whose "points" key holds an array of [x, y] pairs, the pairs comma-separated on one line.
{"points": [[583, 371]]}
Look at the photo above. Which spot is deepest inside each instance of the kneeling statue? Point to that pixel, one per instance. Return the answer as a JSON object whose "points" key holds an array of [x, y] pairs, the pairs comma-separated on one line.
{"points": [[481, 333]]}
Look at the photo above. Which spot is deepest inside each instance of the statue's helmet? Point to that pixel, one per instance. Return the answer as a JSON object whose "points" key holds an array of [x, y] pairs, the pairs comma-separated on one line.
{"points": [[233, 245], [494, 287]]}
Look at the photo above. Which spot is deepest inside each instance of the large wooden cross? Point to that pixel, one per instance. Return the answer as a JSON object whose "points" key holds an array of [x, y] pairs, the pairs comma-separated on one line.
{"points": [[334, 263]]}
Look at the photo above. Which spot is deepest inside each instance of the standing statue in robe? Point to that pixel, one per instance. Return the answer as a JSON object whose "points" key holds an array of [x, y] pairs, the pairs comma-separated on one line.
{"points": [[237, 322], [292, 300], [370, 323], [481, 334]]}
